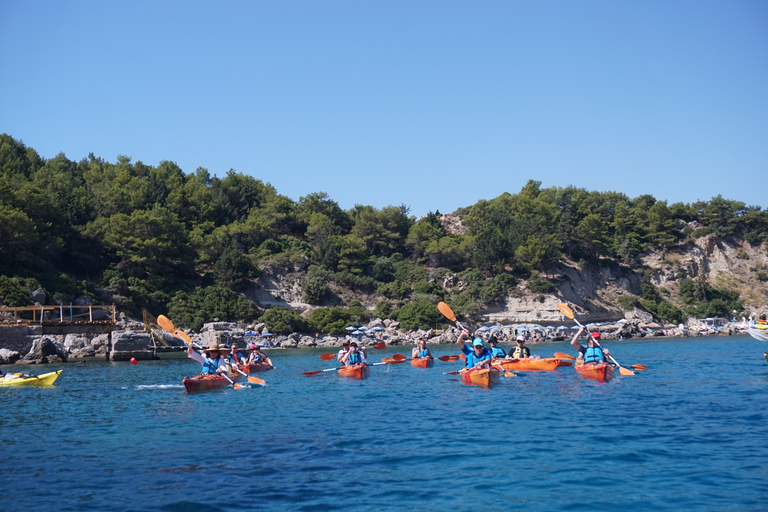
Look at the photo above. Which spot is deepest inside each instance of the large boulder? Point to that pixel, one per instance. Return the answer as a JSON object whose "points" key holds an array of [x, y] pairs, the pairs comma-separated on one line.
{"points": [[79, 345], [8, 356], [128, 344], [46, 349]]}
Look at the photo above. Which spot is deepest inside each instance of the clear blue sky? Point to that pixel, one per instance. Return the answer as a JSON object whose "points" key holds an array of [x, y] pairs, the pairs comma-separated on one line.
{"points": [[432, 104]]}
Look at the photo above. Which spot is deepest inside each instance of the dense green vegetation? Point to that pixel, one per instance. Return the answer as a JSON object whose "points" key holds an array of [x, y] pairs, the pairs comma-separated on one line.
{"points": [[156, 237]]}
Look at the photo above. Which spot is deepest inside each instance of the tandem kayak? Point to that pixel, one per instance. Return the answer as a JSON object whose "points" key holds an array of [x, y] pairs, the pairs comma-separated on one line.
{"points": [[423, 362], [256, 367], [206, 382], [597, 371], [487, 377], [529, 364], [45, 379], [355, 371]]}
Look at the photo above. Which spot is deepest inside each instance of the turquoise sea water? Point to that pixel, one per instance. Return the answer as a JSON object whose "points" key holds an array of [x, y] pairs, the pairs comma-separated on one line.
{"points": [[688, 434]]}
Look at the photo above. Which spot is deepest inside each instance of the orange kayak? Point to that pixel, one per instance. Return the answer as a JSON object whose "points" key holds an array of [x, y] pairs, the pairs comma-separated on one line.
{"points": [[255, 367], [355, 371], [596, 371], [528, 364], [423, 362], [207, 382], [487, 377]]}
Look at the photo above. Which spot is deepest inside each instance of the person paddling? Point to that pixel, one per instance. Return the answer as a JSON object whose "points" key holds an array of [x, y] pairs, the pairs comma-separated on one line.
{"points": [[257, 356], [421, 350], [353, 356], [212, 362], [593, 352], [496, 351], [236, 357], [477, 356]]}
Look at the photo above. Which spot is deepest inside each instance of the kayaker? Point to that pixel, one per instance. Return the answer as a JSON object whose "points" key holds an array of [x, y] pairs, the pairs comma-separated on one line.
{"points": [[236, 356], [477, 356], [353, 356], [496, 351], [593, 352], [343, 350], [421, 350], [257, 357], [212, 362]]}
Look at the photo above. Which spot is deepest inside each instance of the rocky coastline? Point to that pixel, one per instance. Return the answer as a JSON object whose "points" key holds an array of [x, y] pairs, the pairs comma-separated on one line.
{"points": [[131, 340]]}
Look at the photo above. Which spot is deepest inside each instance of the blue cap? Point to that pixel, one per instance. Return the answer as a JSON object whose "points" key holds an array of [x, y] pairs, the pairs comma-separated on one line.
{"points": [[477, 342]]}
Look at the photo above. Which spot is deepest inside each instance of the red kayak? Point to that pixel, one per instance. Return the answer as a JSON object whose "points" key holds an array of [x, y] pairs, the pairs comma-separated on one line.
{"points": [[206, 382], [597, 371], [355, 371], [256, 367], [423, 362], [487, 377]]}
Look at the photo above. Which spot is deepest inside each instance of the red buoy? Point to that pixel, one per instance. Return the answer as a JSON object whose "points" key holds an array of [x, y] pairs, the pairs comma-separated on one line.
{"points": [[133, 360]]}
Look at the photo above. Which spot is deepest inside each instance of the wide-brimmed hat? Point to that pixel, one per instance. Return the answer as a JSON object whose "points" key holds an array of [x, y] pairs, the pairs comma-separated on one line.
{"points": [[215, 346]]}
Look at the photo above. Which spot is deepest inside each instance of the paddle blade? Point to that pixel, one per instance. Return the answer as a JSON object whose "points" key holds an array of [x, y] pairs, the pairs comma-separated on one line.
{"points": [[256, 380], [563, 355], [392, 360], [448, 358], [313, 373], [565, 363], [399, 357], [626, 371], [639, 367], [380, 345], [564, 309], [451, 373], [164, 322], [184, 336], [327, 356], [446, 311], [239, 386], [462, 357]]}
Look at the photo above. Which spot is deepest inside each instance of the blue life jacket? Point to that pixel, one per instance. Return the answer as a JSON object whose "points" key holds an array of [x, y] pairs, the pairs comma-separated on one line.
{"points": [[423, 353], [210, 366], [498, 352], [594, 355], [354, 358], [473, 358]]}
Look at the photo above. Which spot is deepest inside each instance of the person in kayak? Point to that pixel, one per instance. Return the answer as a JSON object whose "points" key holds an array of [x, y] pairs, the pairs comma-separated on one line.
{"points": [[496, 351], [593, 352], [421, 350], [521, 351], [235, 356], [477, 356], [343, 350], [212, 362], [257, 357], [353, 356]]}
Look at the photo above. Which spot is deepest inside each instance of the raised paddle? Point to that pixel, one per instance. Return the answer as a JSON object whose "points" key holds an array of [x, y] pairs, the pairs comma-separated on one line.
{"points": [[164, 322], [564, 309], [447, 312], [327, 356]]}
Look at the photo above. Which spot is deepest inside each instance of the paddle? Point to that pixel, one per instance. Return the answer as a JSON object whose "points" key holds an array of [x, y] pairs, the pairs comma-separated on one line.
{"points": [[507, 373], [252, 380], [236, 386], [448, 358], [320, 371], [447, 312], [564, 309]]}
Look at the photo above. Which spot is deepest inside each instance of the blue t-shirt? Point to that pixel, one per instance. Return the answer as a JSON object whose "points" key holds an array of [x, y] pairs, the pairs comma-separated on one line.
{"points": [[473, 358]]}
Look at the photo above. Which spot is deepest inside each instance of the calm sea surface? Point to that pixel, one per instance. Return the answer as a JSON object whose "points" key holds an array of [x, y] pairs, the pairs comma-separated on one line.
{"points": [[688, 434]]}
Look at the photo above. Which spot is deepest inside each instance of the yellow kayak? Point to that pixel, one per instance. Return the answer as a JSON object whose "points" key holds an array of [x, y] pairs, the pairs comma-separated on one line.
{"points": [[46, 379]]}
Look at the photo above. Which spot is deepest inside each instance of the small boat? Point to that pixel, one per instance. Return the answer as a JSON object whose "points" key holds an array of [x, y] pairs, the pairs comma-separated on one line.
{"points": [[355, 371], [423, 362], [207, 382], [45, 379], [256, 367], [759, 332], [487, 377], [597, 371], [529, 364]]}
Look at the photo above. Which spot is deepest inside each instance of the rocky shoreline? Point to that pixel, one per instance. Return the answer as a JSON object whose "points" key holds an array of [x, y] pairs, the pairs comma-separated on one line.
{"points": [[131, 340]]}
